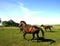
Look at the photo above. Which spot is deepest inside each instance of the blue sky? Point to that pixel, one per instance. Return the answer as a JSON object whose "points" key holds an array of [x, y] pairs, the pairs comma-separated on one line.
{"points": [[31, 11]]}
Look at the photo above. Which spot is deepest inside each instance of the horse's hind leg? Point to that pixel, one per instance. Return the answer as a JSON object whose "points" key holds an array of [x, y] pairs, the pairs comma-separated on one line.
{"points": [[37, 35], [33, 36], [50, 29], [46, 29]]}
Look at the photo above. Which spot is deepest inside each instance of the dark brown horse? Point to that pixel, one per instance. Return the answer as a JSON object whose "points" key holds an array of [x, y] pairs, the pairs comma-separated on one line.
{"points": [[47, 27], [29, 29]]}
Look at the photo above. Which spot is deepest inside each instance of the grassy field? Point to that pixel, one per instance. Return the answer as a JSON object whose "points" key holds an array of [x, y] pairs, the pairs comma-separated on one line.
{"points": [[11, 36]]}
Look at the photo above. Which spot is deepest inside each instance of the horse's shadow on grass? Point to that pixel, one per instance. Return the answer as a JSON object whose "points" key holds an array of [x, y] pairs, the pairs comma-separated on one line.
{"points": [[40, 39]]}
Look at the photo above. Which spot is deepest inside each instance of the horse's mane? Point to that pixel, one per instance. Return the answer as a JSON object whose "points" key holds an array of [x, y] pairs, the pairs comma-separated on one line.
{"points": [[23, 22], [30, 25]]}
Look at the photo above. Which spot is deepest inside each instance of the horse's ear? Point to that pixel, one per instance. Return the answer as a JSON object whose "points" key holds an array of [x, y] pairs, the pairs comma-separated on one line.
{"points": [[42, 24]]}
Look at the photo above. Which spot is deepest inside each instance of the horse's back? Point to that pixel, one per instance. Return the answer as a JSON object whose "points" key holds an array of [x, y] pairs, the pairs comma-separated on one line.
{"points": [[49, 26]]}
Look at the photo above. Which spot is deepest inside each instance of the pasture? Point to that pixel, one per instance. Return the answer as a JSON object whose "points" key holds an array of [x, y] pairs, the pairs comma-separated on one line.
{"points": [[11, 36]]}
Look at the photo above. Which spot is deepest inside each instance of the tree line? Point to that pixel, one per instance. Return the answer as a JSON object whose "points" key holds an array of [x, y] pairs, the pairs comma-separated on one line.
{"points": [[9, 23]]}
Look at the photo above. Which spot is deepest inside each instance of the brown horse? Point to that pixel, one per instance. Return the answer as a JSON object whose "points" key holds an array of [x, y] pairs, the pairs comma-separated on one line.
{"points": [[47, 27], [28, 29]]}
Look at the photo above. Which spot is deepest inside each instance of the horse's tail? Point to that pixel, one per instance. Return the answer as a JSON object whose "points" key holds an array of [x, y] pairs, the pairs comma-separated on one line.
{"points": [[42, 32]]}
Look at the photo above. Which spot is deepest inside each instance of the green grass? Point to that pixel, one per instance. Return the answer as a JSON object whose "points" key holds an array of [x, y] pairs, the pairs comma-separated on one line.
{"points": [[10, 36]]}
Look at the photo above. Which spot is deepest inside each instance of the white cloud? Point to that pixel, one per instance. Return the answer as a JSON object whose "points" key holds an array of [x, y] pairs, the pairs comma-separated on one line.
{"points": [[26, 11]]}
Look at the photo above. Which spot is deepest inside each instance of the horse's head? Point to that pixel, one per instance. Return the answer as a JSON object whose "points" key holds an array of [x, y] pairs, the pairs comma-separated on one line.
{"points": [[22, 24], [42, 25]]}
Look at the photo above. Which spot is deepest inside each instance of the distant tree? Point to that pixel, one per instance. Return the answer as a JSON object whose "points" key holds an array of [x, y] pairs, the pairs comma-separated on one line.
{"points": [[0, 20], [5, 23], [9, 23]]}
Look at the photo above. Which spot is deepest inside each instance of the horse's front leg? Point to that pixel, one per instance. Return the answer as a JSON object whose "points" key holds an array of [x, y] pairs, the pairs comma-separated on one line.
{"points": [[24, 35]]}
